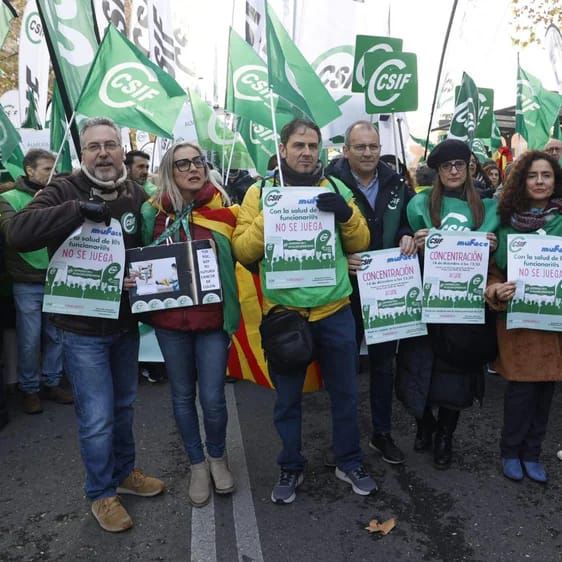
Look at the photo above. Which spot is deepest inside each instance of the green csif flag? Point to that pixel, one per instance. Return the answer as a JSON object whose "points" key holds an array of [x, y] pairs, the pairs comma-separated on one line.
{"points": [[7, 14], [260, 142], [247, 89], [465, 116], [536, 110], [57, 128], [214, 135], [11, 154], [292, 77], [124, 85]]}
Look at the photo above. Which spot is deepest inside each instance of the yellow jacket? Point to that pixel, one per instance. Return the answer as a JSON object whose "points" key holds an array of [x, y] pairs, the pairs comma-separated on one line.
{"points": [[248, 242]]}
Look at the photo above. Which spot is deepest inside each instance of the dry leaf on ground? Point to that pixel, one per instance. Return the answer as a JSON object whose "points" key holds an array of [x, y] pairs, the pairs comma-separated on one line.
{"points": [[383, 528]]}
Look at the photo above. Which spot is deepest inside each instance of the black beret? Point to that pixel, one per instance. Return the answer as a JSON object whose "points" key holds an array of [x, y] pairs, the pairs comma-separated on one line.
{"points": [[450, 149]]}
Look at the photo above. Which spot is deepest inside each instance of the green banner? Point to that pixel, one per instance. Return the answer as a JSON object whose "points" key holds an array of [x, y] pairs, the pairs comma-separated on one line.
{"points": [[70, 28], [215, 136], [124, 85], [465, 116], [292, 77], [536, 110], [11, 154], [370, 44], [247, 89], [391, 82], [83, 272], [541, 290], [392, 303], [453, 286]]}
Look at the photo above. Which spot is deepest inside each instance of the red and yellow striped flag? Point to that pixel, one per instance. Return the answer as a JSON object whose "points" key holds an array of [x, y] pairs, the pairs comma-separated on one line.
{"points": [[246, 360]]}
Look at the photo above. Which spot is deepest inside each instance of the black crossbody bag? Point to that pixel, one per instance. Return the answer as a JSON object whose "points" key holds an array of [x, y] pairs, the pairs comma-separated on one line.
{"points": [[286, 340]]}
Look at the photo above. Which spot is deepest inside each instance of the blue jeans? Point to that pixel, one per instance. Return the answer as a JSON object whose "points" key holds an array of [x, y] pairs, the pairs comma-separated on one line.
{"points": [[39, 346], [103, 371], [381, 387], [197, 358], [336, 350]]}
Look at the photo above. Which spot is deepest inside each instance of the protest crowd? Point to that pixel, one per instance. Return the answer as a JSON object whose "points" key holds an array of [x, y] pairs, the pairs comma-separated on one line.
{"points": [[192, 237]]}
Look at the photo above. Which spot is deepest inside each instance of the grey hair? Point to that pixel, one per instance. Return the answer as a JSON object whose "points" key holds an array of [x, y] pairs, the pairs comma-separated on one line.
{"points": [[363, 124], [168, 186], [97, 122]]}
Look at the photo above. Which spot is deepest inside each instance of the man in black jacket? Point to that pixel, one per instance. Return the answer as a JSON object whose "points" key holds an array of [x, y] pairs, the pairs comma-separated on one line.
{"points": [[382, 195]]}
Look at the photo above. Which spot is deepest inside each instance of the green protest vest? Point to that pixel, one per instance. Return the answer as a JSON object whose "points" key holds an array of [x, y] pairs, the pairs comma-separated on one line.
{"points": [[38, 259], [311, 297], [551, 228], [455, 214]]}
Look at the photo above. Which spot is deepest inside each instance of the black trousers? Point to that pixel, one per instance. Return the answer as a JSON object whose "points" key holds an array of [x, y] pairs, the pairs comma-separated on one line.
{"points": [[526, 408]]}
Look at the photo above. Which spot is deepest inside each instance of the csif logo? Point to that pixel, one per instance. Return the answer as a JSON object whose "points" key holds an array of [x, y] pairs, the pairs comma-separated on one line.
{"points": [[366, 261], [251, 83], [33, 28], [517, 244], [272, 198], [127, 84], [335, 69], [386, 80], [434, 240]]}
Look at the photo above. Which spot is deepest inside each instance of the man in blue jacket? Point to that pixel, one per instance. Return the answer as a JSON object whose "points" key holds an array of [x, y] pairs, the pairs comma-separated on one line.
{"points": [[382, 196]]}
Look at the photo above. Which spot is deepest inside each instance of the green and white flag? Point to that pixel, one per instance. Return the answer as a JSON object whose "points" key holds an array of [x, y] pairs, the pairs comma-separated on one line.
{"points": [[69, 28], [465, 116], [214, 135], [57, 128], [292, 77], [124, 85], [247, 89], [7, 14], [11, 154], [260, 142], [536, 110]]}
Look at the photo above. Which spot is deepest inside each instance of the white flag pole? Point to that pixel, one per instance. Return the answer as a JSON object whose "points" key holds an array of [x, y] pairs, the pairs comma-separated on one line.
{"points": [[234, 130], [223, 144], [281, 182], [394, 139], [61, 148]]}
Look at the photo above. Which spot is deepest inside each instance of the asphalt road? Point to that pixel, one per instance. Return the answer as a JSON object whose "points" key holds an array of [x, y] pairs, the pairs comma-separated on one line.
{"points": [[469, 512]]}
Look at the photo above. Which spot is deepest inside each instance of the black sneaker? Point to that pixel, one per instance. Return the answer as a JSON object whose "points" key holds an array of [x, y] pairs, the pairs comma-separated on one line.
{"points": [[285, 489], [384, 444], [360, 480]]}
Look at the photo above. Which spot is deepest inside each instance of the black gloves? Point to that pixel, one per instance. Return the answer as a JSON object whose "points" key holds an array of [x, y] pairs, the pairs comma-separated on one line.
{"points": [[95, 210], [334, 203]]}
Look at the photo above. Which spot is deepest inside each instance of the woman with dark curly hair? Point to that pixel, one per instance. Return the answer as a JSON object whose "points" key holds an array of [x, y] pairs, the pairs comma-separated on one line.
{"points": [[530, 360]]}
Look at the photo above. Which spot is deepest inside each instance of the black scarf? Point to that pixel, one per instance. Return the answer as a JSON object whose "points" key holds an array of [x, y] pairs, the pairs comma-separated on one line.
{"points": [[291, 177]]}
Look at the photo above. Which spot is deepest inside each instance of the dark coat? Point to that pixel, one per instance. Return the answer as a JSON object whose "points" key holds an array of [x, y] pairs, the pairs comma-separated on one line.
{"points": [[425, 379], [391, 185]]}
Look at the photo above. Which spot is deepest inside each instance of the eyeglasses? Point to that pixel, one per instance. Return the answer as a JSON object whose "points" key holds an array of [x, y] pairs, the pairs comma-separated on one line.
{"points": [[109, 146], [184, 164], [459, 165], [554, 150], [363, 147]]}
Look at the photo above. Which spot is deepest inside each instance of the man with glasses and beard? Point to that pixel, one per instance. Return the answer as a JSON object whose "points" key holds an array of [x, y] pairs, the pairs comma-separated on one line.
{"points": [[382, 196], [100, 355]]}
